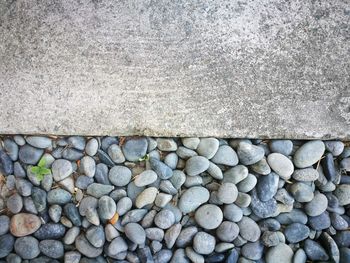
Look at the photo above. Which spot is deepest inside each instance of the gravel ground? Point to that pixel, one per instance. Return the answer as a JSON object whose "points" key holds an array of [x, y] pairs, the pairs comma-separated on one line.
{"points": [[137, 199]]}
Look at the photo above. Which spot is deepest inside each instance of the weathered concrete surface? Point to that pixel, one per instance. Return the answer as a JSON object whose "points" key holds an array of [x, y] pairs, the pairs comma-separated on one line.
{"points": [[266, 68]]}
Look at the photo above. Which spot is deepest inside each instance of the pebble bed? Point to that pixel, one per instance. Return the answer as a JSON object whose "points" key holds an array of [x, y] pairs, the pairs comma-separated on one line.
{"points": [[141, 199]]}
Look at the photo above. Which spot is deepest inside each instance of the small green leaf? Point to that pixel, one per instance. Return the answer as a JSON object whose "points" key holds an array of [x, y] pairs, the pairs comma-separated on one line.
{"points": [[35, 169], [44, 171], [40, 177], [42, 162], [144, 158]]}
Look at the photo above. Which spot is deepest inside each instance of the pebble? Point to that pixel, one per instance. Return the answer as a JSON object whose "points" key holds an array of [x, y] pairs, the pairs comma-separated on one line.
{"points": [[133, 216], [50, 231], [164, 219], [77, 142], [284, 147], [344, 255], [6, 245], [185, 153], [71, 211], [14, 203], [171, 235], [18, 170], [135, 233], [162, 199], [270, 239], [117, 246], [167, 187], [233, 213], [29, 155], [315, 251], [91, 147], [225, 156], [135, 149], [308, 154], [96, 236], [39, 141], [227, 231], [236, 174], [11, 149], [249, 154], [72, 257], [4, 224], [71, 235], [317, 205], [106, 207], [154, 233], [193, 256], [24, 224], [267, 186], [123, 205], [247, 184], [166, 145], [296, 232], [119, 175], [320, 222], [248, 229], [186, 236], [305, 175], [209, 216], [302, 192], [281, 165], [279, 253], [101, 174], [232, 257], [192, 198], [227, 193], [88, 166], [253, 251], [27, 247], [338, 222], [204, 243], [99, 190], [85, 248], [208, 147], [145, 178], [295, 216], [342, 192], [51, 248], [191, 143], [262, 209], [215, 171], [58, 196], [104, 158], [61, 169], [261, 167], [146, 197], [334, 147], [72, 154], [178, 179]]}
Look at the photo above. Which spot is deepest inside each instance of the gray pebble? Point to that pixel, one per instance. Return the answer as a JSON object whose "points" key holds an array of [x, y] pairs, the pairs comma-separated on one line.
{"points": [[85, 248], [133, 216], [27, 247], [101, 174], [249, 154], [204, 243], [123, 205], [227, 231], [71, 235], [29, 155], [236, 174], [308, 154], [193, 256], [185, 153], [61, 169], [192, 198], [134, 149], [193, 181], [248, 229], [227, 193], [50, 231], [83, 182], [191, 143], [186, 236], [267, 186], [117, 246], [166, 144], [19, 139], [261, 167], [119, 175], [295, 216], [247, 184], [215, 171], [315, 251], [263, 209], [77, 142], [233, 213], [284, 147], [135, 233], [279, 253], [320, 222], [72, 257], [58, 196], [87, 166], [196, 165], [171, 235], [52, 248], [91, 147], [164, 219], [11, 148], [178, 179], [209, 216], [253, 251], [317, 205], [342, 192], [162, 170], [39, 198], [302, 192], [39, 141], [334, 147], [305, 175], [99, 190], [145, 178], [146, 197], [96, 236], [281, 165], [106, 207], [154, 233], [24, 187], [72, 154], [171, 160], [116, 154], [299, 256], [162, 199], [225, 155], [296, 232], [4, 224], [14, 203]]}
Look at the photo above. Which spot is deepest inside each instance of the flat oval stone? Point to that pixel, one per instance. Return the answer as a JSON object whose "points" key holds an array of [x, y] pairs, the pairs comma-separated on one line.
{"points": [[154, 233], [328, 167], [262, 209], [71, 211], [61, 169], [4, 224], [71, 235], [193, 256], [186, 235], [39, 198], [225, 156], [39, 141], [294, 216], [117, 246], [164, 219], [85, 248], [267, 186], [120, 175], [284, 147], [204, 243], [135, 148], [166, 144], [227, 231], [86, 203], [178, 179], [96, 236], [27, 247], [116, 153], [248, 229], [305, 175], [315, 251], [124, 205], [320, 222], [208, 147], [135, 233], [52, 248], [209, 216], [233, 213], [14, 203], [50, 231], [24, 224], [91, 147], [215, 171], [281, 165], [6, 164], [58, 196], [342, 192], [196, 165], [6, 244], [296, 232], [146, 197], [236, 174], [317, 205], [253, 251], [334, 147], [87, 166], [99, 190], [191, 143], [192, 198], [106, 207], [308, 154], [247, 184], [29, 155], [171, 160], [227, 193], [11, 149], [249, 154], [145, 178], [302, 192], [279, 253]]}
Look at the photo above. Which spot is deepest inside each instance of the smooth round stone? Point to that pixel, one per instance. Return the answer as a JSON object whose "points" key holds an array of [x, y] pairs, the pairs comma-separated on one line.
{"points": [[50, 231], [302, 192], [261, 167], [338, 222], [24, 224], [119, 175], [204, 243], [308, 154], [99, 190], [145, 178], [96, 236], [171, 160], [334, 147], [295, 216], [146, 197], [27, 247], [305, 175], [77, 142], [39, 198], [249, 154], [284, 147], [71, 235], [279, 253], [225, 156], [116, 154], [29, 155], [154, 233], [13, 258], [124, 205], [85, 248], [209, 216], [19, 139], [178, 179], [162, 170], [108, 141], [11, 148], [192, 198], [18, 170], [247, 184], [24, 187], [248, 229], [135, 233], [179, 256], [186, 236], [47, 182], [299, 256], [315, 251], [14, 203], [233, 213], [185, 153], [296, 232], [342, 192], [191, 143], [263, 209], [39, 141], [91, 147], [52, 248], [208, 147], [227, 231], [167, 187], [164, 219], [222, 247], [215, 171], [72, 154], [135, 148], [72, 257], [281, 165], [166, 144], [193, 256], [88, 166], [267, 186], [320, 222], [58, 196], [162, 199], [253, 251], [6, 244], [83, 182], [236, 174], [106, 207], [171, 235], [243, 200], [61, 169], [227, 193], [317, 205], [4, 224], [88, 202]]}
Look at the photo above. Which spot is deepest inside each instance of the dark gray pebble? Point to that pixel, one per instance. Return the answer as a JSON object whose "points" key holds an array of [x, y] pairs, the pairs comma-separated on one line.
{"points": [[71, 211], [6, 245], [6, 164], [50, 231], [52, 248]]}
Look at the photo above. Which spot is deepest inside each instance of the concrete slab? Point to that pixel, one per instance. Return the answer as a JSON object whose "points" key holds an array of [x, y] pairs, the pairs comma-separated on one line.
{"points": [[266, 68]]}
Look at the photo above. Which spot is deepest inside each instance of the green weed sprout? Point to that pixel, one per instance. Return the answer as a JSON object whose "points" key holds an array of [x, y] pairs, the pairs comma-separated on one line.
{"points": [[40, 170]]}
